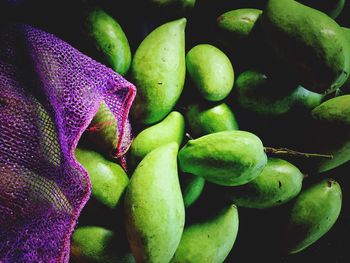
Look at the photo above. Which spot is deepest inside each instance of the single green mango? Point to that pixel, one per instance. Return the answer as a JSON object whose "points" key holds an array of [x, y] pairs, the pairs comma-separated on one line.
{"points": [[158, 71], [332, 126], [103, 131], [312, 215], [331, 7], [94, 244], [238, 23], [108, 179], [279, 182], [170, 129], [154, 208], [211, 71], [109, 40], [311, 45], [225, 158], [307, 99], [192, 187], [203, 119], [209, 241]]}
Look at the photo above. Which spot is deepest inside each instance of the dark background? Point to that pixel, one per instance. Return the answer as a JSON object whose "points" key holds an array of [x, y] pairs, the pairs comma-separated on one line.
{"points": [[258, 236]]}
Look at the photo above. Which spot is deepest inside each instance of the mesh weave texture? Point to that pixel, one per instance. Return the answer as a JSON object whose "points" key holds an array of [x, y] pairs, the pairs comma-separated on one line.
{"points": [[49, 92]]}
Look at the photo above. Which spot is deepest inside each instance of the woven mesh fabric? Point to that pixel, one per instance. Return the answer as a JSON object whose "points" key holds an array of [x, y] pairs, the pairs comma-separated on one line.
{"points": [[49, 92]]}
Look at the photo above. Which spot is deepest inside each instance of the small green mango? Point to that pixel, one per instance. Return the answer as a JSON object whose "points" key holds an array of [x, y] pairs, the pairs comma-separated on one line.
{"points": [[209, 241], [279, 182], [108, 179], [238, 23], [331, 7], [192, 187], [311, 45], [170, 129], [225, 158], [109, 40], [312, 215], [94, 244], [210, 118], [154, 208], [103, 131], [211, 71], [158, 71]]}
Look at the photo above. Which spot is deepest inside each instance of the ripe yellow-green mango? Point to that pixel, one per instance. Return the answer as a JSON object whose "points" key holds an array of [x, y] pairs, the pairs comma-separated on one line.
{"points": [[103, 131], [278, 183], [170, 129], [192, 187], [211, 71], [108, 179], [225, 158], [109, 40], [210, 118], [209, 241], [154, 208], [312, 215], [309, 43], [158, 71], [238, 23], [94, 244]]}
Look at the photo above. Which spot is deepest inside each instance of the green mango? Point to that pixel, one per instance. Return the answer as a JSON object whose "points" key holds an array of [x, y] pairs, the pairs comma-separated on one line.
{"points": [[109, 40], [108, 179], [256, 92], [211, 71], [210, 118], [331, 7], [183, 4], [279, 182], [345, 89], [238, 23], [192, 187], [103, 131], [311, 45], [158, 71], [94, 244], [170, 129], [209, 241], [225, 158], [332, 126], [312, 215], [154, 208]]}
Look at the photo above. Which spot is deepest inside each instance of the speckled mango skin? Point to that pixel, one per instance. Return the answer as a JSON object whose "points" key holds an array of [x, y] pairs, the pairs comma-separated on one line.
{"points": [[154, 208], [211, 71], [170, 129], [225, 158], [314, 212], [309, 42], [279, 182], [209, 241], [158, 71]]}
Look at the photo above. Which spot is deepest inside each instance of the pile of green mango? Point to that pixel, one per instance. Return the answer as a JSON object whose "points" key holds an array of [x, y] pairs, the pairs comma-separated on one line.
{"points": [[207, 113]]}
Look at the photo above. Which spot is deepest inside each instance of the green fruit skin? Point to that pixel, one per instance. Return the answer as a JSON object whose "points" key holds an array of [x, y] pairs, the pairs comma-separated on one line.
{"points": [[279, 182], [108, 179], [170, 129], [239, 22], [309, 42], [158, 71], [185, 4], [333, 120], [331, 7], [94, 244], [211, 71], [312, 215], [110, 39], [346, 87], [206, 119], [154, 208], [256, 92], [192, 187], [225, 158], [209, 241]]}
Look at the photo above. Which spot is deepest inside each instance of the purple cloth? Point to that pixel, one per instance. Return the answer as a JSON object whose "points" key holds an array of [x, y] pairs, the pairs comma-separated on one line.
{"points": [[49, 92]]}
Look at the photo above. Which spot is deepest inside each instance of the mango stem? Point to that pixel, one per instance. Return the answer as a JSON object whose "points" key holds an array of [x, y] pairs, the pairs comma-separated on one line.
{"points": [[289, 152]]}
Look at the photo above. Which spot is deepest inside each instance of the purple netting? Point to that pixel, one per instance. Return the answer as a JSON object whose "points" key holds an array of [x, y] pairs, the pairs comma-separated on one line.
{"points": [[49, 92]]}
